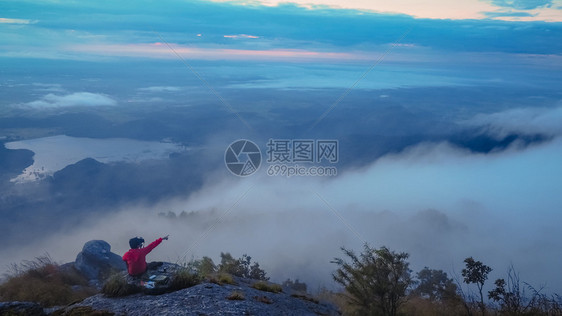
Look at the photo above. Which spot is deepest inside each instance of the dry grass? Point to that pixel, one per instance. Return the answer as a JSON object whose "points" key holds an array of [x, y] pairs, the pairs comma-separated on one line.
{"points": [[221, 278], [45, 282], [337, 299], [117, 286], [183, 279], [267, 287], [263, 299], [424, 307], [225, 278], [305, 297], [236, 296], [413, 306]]}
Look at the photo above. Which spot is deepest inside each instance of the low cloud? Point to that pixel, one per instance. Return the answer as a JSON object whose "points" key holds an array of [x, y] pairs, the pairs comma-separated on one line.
{"points": [[75, 99], [523, 4], [526, 121], [509, 13], [439, 203], [48, 87]]}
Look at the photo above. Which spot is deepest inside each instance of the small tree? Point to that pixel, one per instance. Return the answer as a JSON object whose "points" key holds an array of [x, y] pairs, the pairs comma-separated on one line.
{"points": [[257, 273], [435, 285], [230, 265], [376, 281], [476, 272]]}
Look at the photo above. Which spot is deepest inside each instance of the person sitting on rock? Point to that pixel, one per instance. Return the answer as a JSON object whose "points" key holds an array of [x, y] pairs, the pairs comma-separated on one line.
{"points": [[135, 258]]}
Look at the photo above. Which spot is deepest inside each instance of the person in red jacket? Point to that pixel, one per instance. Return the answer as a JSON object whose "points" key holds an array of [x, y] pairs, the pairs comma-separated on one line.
{"points": [[135, 258]]}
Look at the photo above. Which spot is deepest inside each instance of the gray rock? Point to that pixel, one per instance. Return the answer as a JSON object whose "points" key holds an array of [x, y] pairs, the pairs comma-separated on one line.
{"points": [[209, 299], [96, 261], [21, 309], [156, 280]]}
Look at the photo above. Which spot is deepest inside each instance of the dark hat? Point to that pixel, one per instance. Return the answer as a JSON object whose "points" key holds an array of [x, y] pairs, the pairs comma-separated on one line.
{"points": [[135, 242]]}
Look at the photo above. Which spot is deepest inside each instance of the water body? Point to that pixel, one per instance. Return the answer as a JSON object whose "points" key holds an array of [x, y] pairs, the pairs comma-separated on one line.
{"points": [[53, 153]]}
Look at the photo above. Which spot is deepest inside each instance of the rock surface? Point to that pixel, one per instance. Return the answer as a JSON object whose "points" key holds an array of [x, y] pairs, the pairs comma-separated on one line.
{"points": [[96, 261], [21, 308], [209, 299]]}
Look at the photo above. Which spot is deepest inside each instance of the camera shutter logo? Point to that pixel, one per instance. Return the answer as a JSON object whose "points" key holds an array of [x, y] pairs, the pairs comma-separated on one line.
{"points": [[242, 158]]}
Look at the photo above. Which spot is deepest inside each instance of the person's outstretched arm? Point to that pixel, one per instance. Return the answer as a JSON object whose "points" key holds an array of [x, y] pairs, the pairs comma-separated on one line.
{"points": [[153, 244]]}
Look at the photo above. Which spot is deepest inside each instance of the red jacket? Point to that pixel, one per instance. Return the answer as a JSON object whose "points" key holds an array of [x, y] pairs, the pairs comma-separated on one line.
{"points": [[136, 258]]}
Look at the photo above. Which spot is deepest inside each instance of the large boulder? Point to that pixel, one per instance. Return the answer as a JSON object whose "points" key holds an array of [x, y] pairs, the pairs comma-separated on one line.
{"points": [[96, 261]]}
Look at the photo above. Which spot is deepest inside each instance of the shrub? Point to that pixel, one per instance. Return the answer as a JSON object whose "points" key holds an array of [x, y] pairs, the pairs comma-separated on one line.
{"points": [[267, 287], [435, 285], [117, 286], [236, 296], [206, 267], [184, 278], [516, 297], [45, 282], [241, 267], [375, 281]]}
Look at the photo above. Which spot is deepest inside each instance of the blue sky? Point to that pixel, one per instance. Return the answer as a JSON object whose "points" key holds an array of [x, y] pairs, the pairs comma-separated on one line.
{"points": [[537, 10], [105, 28], [292, 37]]}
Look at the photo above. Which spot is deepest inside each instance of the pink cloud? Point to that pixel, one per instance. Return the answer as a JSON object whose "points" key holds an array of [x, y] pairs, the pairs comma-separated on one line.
{"points": [[241, 36], [434, 9], [16, 21], [162, 51], [407, 53]]}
